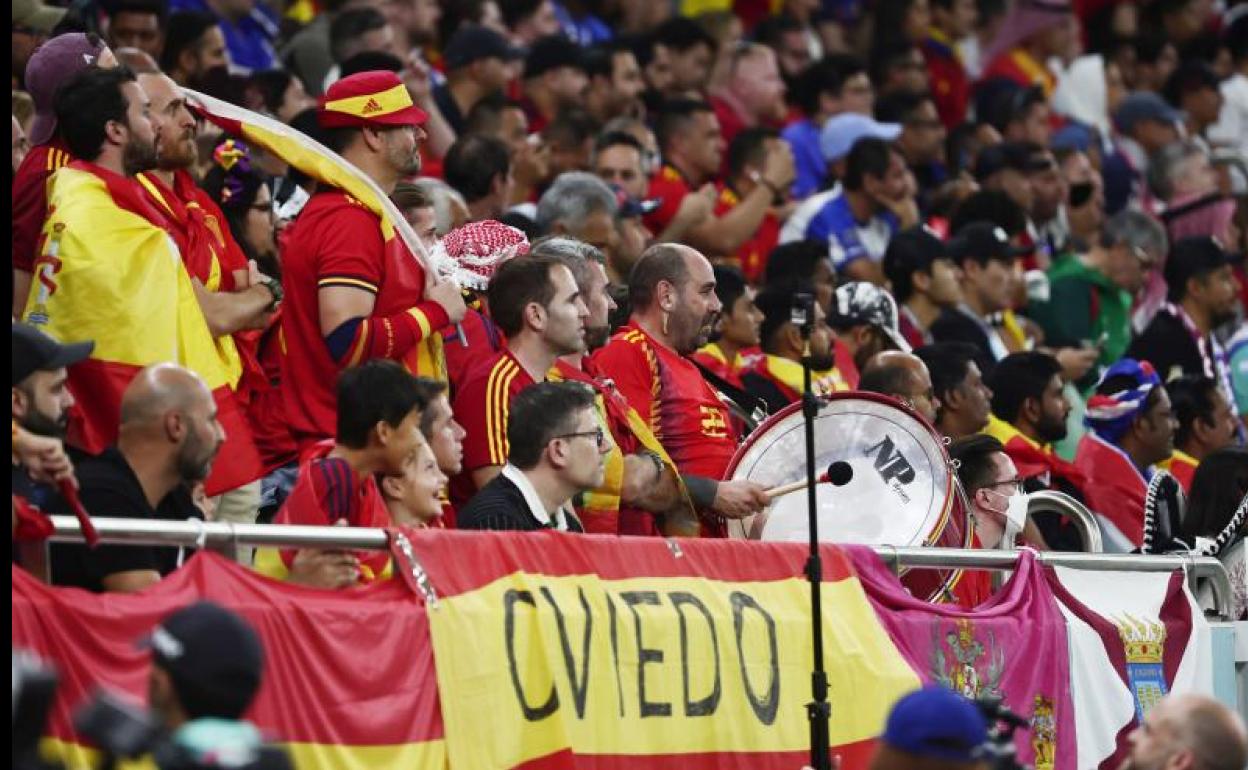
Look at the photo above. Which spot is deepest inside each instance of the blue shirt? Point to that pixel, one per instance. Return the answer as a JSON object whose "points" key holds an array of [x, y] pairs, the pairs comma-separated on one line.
{"points": [[848, 239], [803, 138], [587, 31], [249, 42]]}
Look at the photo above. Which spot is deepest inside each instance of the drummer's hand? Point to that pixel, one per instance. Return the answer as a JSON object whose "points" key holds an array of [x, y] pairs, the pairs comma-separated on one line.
{"points": [[740, 498]]}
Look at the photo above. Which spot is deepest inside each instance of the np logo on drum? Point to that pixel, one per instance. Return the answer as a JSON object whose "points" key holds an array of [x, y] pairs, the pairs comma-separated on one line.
{"points": [[892, 465]]}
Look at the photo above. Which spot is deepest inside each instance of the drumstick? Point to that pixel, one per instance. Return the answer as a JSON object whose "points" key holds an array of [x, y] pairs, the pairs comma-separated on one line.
{"points": [[70, 493], [838, 474]]}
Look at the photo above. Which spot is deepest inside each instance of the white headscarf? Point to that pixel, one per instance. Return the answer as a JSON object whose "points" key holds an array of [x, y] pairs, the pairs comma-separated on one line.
{"points": [[1082, 95]]}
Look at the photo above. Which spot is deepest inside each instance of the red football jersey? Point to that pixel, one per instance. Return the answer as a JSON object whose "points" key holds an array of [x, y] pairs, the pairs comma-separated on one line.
{"points": [[670, 187], [669, 393], [482, 406], [751, 255], [30, 199], [336, 241]]}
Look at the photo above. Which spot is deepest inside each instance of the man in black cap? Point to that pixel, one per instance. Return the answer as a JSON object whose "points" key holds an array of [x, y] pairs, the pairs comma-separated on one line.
{"points": [[207, 663], [923, 279], [555, 77], [41, 404], [1202, 296], [478, 64], [990, 274]]}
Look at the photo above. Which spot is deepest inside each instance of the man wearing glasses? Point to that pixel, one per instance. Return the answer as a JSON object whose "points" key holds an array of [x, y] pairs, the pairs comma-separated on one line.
{"points": [[556, 451], [998, 507]]}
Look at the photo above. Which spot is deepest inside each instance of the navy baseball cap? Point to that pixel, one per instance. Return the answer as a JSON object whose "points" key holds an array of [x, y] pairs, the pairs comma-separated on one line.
{"points": [[472, 42], [1144, 105], [937, 723], [34, 351]]}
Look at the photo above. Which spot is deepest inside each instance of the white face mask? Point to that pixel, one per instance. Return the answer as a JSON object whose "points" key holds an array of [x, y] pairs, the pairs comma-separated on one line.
{"points": [[1015, 518]]}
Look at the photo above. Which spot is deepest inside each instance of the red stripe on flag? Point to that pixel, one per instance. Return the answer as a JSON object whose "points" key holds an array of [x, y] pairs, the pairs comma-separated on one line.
{"points": [[494, 555], [854, 756], [238, 461]]}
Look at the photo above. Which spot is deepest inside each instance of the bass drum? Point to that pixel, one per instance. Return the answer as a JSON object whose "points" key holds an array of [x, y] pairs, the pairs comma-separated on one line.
{"points": [[901, 492]]}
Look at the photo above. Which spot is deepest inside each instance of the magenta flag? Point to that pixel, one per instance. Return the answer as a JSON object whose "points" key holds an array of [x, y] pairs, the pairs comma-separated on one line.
{"points": [[1013, 646]]}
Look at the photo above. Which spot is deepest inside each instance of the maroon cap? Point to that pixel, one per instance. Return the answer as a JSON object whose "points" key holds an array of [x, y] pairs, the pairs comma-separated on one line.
{"points": [[52, 65]]}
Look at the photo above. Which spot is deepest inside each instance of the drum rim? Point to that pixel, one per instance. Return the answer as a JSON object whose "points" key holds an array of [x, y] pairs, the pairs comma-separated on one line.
{"points": [[862, 395]]}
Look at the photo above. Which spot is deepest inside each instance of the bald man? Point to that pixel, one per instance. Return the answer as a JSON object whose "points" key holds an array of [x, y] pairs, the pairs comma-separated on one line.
{"points": [[1189, 732], [903, 376], [168, 439]]}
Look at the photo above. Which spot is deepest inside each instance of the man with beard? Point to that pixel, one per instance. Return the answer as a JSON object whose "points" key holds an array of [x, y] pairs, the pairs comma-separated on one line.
{"points": [[1202, 297], [352, 290], [233, 296], [1132, 429], [639, 493], [672, 289], [41, 399], [194, 47], [109, 271], [1029, 412], [554, 79], [168, 439], [539, 308], [52, 65], [776, 377], [615, 82]]}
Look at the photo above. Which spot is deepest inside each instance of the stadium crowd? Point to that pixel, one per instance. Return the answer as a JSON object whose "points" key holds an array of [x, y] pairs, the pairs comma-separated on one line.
{"points": [[1024, 221]]}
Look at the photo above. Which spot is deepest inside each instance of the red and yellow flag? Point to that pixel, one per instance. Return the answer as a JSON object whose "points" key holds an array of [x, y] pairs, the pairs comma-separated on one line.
{"points": [[329, 168], [107, 271]]}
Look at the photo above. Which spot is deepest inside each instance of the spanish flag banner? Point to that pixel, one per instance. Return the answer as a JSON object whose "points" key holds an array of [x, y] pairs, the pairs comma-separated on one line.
{"points": [[563, 651], [348, 677], [107, 271], [328, 167]]}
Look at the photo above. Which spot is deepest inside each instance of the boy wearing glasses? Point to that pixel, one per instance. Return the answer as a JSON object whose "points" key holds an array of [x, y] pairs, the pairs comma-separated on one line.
{"points": [[556, 451]]}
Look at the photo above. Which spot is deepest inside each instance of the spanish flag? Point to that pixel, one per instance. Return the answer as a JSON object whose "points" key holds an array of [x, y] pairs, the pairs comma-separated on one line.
{"points": [[329, 168], [108, 271]]}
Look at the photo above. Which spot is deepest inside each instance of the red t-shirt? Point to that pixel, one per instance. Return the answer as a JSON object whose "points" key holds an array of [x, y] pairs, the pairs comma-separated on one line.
{"points": [[266, 411], [482, 406], [30, 199], [951, 88], [484, 340], [730, 122], [669, 393], [670, 187], [328, 490], [752, 255], [336, 241]]}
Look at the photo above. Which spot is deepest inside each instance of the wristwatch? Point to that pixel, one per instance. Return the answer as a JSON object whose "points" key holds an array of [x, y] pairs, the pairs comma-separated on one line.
{"points": [[275, 289]]}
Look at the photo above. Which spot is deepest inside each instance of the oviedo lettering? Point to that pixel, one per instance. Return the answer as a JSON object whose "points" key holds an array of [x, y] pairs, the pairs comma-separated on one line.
{"points": [[625, 617]]}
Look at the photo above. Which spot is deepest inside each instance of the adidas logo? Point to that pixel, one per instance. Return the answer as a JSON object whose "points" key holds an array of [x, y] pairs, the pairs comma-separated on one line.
{"points": [[371, 106]]}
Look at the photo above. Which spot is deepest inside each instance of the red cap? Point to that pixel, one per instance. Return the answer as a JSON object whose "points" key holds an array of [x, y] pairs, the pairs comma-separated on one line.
{"points": [[368, 99]]}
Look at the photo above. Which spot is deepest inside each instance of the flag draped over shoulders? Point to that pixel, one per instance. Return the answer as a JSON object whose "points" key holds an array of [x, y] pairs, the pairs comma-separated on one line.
{"points": [[108, 271]]}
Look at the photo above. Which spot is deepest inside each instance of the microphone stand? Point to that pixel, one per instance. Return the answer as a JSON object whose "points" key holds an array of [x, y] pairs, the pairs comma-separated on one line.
{"points": [[818, 711]]}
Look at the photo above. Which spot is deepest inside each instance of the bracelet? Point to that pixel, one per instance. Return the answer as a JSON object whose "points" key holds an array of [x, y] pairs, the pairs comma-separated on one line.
{"points": [[658, 463], [275, 291]]}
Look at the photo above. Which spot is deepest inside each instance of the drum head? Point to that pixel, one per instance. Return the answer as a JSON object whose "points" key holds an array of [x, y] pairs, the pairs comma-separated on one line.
{"points": [[901, 491]]}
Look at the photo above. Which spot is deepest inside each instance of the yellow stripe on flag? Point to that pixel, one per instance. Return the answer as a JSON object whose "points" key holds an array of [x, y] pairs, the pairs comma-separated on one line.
{"points": [[112, 276], [425, 754], [653, 666]]}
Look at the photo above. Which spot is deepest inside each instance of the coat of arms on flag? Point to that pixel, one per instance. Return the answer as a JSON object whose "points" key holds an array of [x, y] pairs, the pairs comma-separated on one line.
{"points": [[962, 671], [1144, 644]]}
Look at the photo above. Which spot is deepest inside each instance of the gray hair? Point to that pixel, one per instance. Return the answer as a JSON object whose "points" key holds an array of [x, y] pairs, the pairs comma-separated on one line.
{"points": [[442, 195], [572, 198], [1136, 230], [1167, 164], [576, 255]]}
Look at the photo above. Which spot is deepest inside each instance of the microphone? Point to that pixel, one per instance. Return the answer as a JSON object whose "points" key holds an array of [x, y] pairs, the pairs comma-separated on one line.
{"points": [[838, 474]]}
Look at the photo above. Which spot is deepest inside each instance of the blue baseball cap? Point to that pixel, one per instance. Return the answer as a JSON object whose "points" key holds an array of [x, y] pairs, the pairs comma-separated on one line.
{"points": [[841, 132], [1144, 105], [938, 723]]}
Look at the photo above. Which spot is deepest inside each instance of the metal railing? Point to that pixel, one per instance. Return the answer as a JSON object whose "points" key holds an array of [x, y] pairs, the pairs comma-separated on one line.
{"points": [[1048, 501], [221, 534]]}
